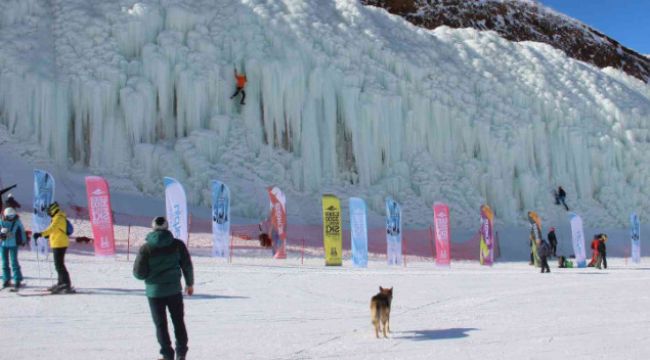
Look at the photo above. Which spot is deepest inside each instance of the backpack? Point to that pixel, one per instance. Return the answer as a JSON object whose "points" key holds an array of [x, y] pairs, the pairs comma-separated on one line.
{"points": [[69, 229]]}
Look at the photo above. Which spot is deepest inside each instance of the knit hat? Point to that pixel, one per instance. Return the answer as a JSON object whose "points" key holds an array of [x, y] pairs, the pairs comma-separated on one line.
{"points": [[159, 223], [552, 229]]}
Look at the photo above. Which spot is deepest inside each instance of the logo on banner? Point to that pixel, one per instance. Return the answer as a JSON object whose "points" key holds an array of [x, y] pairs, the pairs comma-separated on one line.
{"points": [[332, 226], [176, 220]]}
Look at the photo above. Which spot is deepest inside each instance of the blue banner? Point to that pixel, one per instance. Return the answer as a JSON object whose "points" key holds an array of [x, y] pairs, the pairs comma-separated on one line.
{"points": [[43, 197], [176, 207], [220, 219], [393, 232], [635, 235], [358, 232]]}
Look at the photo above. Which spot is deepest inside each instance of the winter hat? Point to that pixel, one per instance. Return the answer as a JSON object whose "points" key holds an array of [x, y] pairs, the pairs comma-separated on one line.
{"points": [[53, 208], [552, 229], [10, 195], [159, 223]]}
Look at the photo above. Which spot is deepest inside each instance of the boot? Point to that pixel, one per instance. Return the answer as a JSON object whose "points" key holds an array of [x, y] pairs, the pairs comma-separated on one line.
{"points": [[6, 284]]}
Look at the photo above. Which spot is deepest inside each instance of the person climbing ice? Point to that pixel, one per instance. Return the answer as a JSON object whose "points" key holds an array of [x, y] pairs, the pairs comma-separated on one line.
{"points": [[560, 197], [241, 83]]}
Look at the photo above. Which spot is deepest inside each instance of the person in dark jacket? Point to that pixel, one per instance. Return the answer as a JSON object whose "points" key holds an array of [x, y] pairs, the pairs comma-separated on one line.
{"points": [[552, 240], [161, 262], [12, 203], [602, 252], [543, 250]]}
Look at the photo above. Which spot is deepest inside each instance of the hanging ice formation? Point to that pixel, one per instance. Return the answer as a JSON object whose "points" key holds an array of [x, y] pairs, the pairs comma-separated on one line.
{"points": [[340, 97]]}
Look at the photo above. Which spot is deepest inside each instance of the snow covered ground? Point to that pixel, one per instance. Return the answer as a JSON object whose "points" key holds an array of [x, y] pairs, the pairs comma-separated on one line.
{"points": [[265, 309]]}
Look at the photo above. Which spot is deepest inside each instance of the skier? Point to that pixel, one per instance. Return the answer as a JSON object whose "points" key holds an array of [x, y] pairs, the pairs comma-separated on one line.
{"points": [[3, 191], [602, 251], [552, 239], [241, 82], [161, 262], [57, 232], [543, 250], [561, 197], [13, 235]]}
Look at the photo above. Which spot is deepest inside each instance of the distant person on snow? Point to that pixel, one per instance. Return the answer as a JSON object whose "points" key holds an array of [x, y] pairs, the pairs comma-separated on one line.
{"points": [[57, 232], [161, 262], [3, 191], [594, 251], [543, 250], [12, 235], [552, 240], [602, 252], [564, 263], [241, 83], [561, 197]]}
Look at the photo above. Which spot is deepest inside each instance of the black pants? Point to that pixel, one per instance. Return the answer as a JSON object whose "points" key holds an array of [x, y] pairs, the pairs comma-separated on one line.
{"points": [[602, 258], [59, 265], [243, 94], [158, 308], [545, 264], [554, 249]]}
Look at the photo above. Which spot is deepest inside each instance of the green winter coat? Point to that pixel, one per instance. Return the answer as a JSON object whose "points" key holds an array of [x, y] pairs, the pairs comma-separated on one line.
{"points": [[160, 263]]}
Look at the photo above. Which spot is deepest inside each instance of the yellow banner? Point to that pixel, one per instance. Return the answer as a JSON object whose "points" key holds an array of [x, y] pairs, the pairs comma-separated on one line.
{"points": [[332, 230]]}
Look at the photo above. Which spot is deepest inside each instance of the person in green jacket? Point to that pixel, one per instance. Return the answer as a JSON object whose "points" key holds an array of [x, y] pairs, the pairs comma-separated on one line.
{"points": [[161, 262]]}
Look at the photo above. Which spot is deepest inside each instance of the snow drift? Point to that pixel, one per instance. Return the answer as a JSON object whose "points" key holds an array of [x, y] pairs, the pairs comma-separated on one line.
{"points": [[341, 98]]}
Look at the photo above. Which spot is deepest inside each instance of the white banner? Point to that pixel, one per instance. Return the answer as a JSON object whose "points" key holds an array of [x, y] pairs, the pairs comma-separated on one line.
{"points": [[220, 219], [176, 206], [635, 235], [578, 238]]}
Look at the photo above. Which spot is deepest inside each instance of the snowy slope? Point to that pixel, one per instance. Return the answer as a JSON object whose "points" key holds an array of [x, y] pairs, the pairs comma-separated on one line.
{"points": [[341, 98], [255, 310]]}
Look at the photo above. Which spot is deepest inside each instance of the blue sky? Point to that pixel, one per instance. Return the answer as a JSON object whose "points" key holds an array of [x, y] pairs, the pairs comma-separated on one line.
{"points": [[627, 21]]}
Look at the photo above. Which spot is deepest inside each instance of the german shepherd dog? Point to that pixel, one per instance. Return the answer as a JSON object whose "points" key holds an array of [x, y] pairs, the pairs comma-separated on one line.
{"points": [[380, 310]]}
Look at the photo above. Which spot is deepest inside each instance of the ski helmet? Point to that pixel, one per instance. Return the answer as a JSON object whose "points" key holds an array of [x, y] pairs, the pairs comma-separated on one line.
{"points": [[53, 208]]}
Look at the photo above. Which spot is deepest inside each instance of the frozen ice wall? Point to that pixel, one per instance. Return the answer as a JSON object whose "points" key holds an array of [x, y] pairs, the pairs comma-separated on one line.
{"points": [[341, 98]]}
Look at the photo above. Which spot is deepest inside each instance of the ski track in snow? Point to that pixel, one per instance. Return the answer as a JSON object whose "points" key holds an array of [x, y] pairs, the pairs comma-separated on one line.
{"points": [[262, 308]]}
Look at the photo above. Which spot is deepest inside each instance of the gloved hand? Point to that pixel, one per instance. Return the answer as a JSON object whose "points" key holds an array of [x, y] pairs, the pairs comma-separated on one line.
{"points": [[36, 235]]}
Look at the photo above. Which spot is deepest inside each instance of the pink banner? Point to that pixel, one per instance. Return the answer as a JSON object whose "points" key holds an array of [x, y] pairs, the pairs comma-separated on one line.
{"points": [[442, 234], [279, 221], [101, 215]]}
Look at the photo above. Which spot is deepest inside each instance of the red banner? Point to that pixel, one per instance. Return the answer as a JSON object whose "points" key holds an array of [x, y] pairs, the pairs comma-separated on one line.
{"points": [[442, 234], [101, 215], [279, 222]]}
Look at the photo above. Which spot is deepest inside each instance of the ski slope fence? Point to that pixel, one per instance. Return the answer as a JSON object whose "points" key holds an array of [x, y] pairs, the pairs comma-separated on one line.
{"points": [[131, 230]]}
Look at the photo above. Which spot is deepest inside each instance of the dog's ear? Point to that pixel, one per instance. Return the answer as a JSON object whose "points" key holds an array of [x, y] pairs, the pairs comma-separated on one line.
{"points": [[381, 288], [390, 290]]}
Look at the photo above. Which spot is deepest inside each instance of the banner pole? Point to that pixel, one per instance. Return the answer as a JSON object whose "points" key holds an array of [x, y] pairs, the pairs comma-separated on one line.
{"points": [[128, 243], [230, 252], [404, 247]]}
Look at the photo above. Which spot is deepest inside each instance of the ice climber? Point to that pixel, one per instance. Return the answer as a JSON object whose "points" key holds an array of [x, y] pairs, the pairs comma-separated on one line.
{"points": [[561, 197], [543, 250], [552, 240], [161, 262], [57, 232], [12, 235], [3, 191], [241, 83]]}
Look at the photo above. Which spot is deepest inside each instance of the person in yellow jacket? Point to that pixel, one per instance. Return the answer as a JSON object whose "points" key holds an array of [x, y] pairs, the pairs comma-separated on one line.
{"points": [[59, 242]]}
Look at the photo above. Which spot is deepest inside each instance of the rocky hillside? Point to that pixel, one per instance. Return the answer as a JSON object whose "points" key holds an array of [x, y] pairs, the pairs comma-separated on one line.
{"points": [[523, 20]]}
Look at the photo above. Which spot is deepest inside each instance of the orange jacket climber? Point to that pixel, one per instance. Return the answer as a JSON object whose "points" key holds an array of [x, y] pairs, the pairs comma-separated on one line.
{"points": [[241, 82]]}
